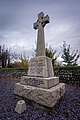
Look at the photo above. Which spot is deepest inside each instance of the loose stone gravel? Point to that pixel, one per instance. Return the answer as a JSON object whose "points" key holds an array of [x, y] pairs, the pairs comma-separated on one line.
{"points": [[67, 109]]}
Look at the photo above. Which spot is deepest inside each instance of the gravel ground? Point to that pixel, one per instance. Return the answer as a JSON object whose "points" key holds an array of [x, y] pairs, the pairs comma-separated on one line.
{"points": [[67, 109]]}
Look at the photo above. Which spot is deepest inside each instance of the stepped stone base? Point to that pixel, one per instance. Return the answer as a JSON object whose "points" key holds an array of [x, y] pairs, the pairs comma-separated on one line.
{"points": [[47, 97], [40, 82]]}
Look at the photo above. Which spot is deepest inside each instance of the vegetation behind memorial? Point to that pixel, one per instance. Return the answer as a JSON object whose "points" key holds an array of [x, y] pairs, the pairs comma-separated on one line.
{"points": [[22, 64], [69, 58], [4, 56], [50, 52], [12, 60]]}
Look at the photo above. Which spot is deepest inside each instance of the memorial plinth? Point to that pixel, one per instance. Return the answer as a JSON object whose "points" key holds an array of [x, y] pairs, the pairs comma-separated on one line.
{"points": [[46, 97], [40, 85]]}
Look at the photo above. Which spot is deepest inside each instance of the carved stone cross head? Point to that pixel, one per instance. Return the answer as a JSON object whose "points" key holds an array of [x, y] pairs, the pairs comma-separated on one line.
{"points": [[42, 21]]}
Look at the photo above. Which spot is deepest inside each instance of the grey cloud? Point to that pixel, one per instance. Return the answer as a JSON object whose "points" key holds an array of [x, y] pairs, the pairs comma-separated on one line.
{"points": [[19, 15]]}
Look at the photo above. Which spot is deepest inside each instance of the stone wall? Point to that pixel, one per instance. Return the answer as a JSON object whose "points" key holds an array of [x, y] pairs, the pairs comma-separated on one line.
{"points": [[13, 74], [66, 76]]}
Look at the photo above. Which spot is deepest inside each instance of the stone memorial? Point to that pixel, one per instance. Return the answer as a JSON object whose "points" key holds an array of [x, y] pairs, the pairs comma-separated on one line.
{"points": [[40, 85]]}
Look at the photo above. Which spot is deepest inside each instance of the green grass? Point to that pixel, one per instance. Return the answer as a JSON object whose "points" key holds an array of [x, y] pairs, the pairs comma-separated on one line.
{"points": [[55, 68], [13, 69], [66, 67]]}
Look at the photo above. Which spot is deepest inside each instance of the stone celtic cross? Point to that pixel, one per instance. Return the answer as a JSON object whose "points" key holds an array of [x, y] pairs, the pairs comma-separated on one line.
{"points": [[40, 24]]}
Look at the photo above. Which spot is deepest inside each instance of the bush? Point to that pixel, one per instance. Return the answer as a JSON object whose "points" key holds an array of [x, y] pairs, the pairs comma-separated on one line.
{"points": [[66, 67]]}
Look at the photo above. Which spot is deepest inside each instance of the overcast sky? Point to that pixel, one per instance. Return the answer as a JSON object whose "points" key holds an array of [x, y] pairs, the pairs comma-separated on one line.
{"points": [[17, 18]]}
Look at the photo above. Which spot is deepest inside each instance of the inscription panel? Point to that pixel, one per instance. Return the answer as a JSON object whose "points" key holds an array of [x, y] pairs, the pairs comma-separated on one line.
{"points": [[40, 67], [38, 62], [40, 81], [36, 70], [37, 66], [33, 82]]}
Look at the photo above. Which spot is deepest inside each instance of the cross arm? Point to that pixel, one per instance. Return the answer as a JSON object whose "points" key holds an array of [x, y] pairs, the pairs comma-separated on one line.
{"points": [[46, 19], [35, 25]]}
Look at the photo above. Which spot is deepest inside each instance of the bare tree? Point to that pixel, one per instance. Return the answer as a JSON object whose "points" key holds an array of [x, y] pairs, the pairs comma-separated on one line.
{"points": [[4, 56]]}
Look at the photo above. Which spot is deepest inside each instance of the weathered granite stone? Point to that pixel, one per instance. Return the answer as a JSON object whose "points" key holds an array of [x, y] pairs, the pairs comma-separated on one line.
{"points": [[40, 24], [40, 85], [47, 97], [40, 66], [20, 106], [40, 82]]}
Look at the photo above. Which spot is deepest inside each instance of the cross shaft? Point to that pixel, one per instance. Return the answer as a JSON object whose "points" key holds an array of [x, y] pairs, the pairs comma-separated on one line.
{"points": [[40, 24]]}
